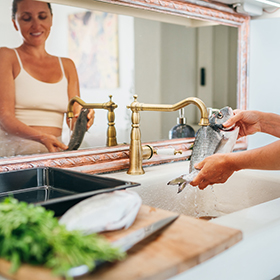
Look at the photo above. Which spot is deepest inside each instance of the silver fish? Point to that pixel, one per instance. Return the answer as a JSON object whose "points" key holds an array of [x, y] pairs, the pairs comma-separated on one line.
{"points": [[79, 131], [103, 212], [209, 140]]}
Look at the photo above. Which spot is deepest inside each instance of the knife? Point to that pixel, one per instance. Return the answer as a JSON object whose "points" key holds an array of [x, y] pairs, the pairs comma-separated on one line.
{"points": [[127, 242]]}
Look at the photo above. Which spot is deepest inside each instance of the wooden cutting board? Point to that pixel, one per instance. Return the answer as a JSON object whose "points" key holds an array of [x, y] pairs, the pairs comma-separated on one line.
{"points": [[185, 243]]}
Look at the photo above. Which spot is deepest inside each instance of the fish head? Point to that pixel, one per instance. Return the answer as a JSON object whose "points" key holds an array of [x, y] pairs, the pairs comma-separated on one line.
{"points": [[219, 117]]}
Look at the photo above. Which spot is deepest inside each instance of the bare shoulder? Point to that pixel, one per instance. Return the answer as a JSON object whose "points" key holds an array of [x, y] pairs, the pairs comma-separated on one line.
{"points": [[69, 67], [7, 58], [68, 63], [5, 50], [7, 53]]}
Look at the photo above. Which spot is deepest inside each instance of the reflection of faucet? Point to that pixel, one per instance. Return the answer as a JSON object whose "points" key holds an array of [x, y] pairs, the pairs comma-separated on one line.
{"points": [[110, 106], [136, 151]]}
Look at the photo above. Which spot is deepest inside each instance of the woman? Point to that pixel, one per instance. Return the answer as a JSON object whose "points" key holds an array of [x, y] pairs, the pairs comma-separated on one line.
{"points": [[219, 167], [35, 87]]}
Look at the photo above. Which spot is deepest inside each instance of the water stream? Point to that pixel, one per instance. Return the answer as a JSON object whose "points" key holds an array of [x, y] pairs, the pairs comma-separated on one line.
{"points": [[70, 126]]}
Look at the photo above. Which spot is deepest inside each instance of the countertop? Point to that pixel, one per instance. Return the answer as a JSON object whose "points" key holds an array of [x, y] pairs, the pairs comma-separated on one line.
{"points": [[255, 257]]}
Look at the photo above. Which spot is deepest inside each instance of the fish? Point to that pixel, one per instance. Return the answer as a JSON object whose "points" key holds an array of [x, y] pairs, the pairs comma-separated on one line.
{"points": [[104, 212], [209, 140], [79, 130]]}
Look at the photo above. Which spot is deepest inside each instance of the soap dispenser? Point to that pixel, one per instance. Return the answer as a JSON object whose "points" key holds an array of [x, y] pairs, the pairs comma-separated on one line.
{"points": [[181, 130]]}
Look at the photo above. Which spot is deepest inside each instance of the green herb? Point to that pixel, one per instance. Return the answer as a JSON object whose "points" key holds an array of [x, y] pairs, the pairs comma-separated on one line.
{"points": [[31, 234]]}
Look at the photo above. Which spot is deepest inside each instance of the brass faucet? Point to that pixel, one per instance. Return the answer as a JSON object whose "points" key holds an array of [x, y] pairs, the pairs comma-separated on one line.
{"points": [[136, 152], [110, 106]]}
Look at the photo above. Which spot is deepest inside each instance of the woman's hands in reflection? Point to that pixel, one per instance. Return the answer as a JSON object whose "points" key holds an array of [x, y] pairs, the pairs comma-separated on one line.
{"points": [[90, 117], [52, 143]]}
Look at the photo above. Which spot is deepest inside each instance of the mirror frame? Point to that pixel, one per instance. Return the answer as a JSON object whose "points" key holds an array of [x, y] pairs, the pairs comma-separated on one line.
{"points": [[193, 13]]}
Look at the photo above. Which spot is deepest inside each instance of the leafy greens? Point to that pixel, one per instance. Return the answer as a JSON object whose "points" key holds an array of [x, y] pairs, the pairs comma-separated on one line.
{"points": [[31, 234]]}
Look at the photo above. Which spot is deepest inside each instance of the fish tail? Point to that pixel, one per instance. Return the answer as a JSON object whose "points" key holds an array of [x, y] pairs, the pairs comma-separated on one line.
{"points": [[181, 187], [176, 181], [180, 182], [183, 180]]}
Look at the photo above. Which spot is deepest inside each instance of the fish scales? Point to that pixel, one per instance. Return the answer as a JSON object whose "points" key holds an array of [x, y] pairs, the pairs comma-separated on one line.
{"points": [[103, 212], [206, 142], [79, 130], [209, 140]]}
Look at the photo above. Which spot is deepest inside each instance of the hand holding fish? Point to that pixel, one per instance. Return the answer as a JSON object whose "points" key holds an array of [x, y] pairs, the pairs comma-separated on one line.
{"points": [[209, 166], [219, 167], [249, 122], [209, 140], [90, 117], [82, 123], [215, 169]]}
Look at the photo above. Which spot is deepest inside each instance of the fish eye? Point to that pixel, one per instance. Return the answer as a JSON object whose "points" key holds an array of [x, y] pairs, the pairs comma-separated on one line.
{"points": [[220, 115]]}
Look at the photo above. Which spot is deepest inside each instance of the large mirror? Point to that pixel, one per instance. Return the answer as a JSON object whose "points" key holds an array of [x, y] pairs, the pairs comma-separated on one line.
{"points": [[162, 57]]}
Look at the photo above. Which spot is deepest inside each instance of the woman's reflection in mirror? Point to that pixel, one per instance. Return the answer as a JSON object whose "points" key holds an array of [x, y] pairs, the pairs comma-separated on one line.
{"points": [[35, 86]]}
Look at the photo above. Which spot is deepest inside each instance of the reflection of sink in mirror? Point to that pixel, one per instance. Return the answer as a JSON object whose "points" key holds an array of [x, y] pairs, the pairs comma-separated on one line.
{"points": [[244, 189]]}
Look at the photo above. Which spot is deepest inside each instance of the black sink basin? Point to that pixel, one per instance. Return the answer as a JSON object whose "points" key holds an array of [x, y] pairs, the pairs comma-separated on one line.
{"points": [[56, 189]]}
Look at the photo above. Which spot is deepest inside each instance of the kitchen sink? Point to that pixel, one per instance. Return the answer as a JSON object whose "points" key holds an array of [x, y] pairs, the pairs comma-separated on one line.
{"points": [[243, 189], [54, 188]]}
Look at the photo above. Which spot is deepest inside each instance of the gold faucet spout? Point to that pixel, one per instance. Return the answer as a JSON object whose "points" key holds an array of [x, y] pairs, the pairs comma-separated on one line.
{"points": [[136, 106], [110, 106], [136, 151]]}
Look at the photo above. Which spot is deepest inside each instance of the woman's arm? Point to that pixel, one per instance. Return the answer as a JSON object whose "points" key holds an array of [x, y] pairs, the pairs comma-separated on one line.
{"points": [[219, 167], [251, 122], [8, 121]]}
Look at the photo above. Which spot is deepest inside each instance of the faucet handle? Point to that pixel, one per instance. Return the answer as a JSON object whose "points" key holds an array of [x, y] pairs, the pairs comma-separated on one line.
{"points": [[167, 152]]}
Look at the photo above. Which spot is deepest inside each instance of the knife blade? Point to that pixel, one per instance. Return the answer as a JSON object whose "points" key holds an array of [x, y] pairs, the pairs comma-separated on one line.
{"points": [[127, 242]]}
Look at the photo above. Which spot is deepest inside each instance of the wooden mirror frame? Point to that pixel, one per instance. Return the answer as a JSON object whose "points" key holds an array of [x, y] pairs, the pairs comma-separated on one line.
{"points": [[100, 160]]}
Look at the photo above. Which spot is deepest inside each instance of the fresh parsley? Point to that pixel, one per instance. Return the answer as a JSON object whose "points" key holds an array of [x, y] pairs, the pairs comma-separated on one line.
{"points": [[31, 234]]}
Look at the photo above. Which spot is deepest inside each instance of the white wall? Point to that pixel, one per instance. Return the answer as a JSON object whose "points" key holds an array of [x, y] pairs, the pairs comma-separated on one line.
{"points": [[168, 59], [9, 36], [264, 72], [178, 72], [122, 96]]}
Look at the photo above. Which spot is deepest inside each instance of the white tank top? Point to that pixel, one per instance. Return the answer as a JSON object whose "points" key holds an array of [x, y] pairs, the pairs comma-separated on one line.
{"points": [[38, 103]]}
